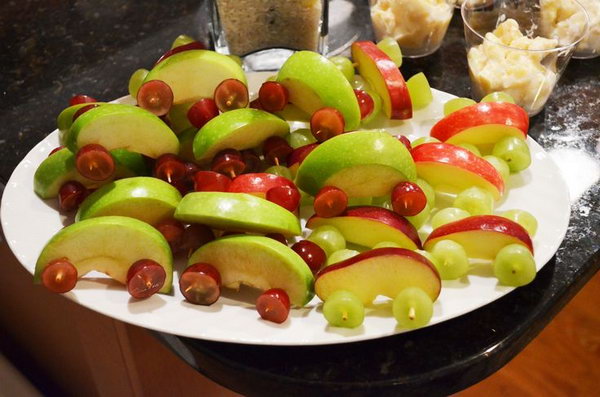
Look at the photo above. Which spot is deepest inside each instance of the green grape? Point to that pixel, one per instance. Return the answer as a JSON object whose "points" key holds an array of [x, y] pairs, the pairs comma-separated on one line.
{"points": [[475, 201], [424, 139], [500, 165], [412, 308], [429, 257], [281, 171], [383, 201], [391, 49], [237, 59], [329, 238], [514, 265], [428, 190], [523, 218], [419, 90], [345, 66], [456, 104], [182, 39], [354, 201], [301, 137], [344, 309], [470, 147], [451, 259], [358, 83], [498, 97], [341, 255], [514, 151], [421, 218], [306, 199], [136, 80], [386, 244], [376, 106], [448, 215]]}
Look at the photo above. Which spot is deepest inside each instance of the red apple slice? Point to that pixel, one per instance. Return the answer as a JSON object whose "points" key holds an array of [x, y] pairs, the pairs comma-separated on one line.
{"points": [[369, 225], [385, 78], [258, 183], [445, 166], [483, 123], [382, 271], [481, 236]]}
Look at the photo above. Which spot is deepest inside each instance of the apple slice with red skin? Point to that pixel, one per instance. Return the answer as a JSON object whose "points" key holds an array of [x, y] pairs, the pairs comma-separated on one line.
{"points": [[446, 165], [368, 225], [258, 183], [384, 76], [481, 236], [298, 155], [482, 124], [382, 271]]}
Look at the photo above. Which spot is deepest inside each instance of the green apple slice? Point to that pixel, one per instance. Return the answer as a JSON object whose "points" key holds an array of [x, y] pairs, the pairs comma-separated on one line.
{"points": [[65, 119], [114, 125], [109, 244], [313, 82], [361, 163], [259, 262], [59, 168], [150, 200], [237, 129], [195, 74], [237, 212]]}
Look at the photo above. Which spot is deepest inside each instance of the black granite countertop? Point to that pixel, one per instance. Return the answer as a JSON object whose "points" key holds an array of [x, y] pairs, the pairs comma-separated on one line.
{"points": [[54, 49]]}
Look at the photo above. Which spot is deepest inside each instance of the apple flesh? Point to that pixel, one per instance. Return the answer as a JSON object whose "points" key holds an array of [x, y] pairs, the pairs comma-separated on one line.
{"points": [[258, 183], [381, 224], [65, 118], [194, 74], [361, 163], [237, 212], [384, 77], [482, 124], [448, 167], [481, 236], [237, 129], [382, 271], [150, 200], [259, 262], [116, 126], [108, 244]]}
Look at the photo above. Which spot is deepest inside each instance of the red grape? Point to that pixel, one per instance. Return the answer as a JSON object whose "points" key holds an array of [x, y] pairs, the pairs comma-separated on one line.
{"points": [[326, 123], [79, 99], [56, 149], [273, 305], [405, 141], [145, 278], [156, 97], [273, 96], [286, 196], [170, 168], [70, 195], [255, 104], [195, 236], [330, 201], [408, 199], [299, 154], [253, 162], [231, 94], [172, 230], [276, 150], [94, 162], [83, 109], [59, 276], [202, 112], [200, 284], [228, 162], [194, 45], [210, 181], [277, 236], [365, 103], [313, 255]]}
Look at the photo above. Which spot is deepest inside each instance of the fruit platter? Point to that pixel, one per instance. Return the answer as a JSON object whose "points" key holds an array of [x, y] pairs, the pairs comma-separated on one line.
{"points": [[330, 201]]}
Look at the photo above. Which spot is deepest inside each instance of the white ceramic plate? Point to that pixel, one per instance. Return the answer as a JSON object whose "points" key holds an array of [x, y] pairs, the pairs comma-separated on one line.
{"points": [[29, 222]]}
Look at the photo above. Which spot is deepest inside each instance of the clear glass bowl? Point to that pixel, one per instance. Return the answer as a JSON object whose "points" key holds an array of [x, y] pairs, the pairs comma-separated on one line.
{"points": [[508, 49], [419, 26], [568, 16]]}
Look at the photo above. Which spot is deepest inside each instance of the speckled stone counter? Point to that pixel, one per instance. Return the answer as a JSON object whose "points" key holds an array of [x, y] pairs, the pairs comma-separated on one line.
{"points": [[52, 50]]}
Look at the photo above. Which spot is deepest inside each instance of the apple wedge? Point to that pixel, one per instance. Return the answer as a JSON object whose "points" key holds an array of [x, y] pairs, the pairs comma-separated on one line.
{"points": [[150, 200], [314, 82], [237, 129], [109, 244], [361, 163], [65, 119], [258, 183], [237, 212], [448, 167], [259, 262], [481, 236], [114, 126], [381, 224], [194, 74], [382, 271], [482, 124], [384, 77]]}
